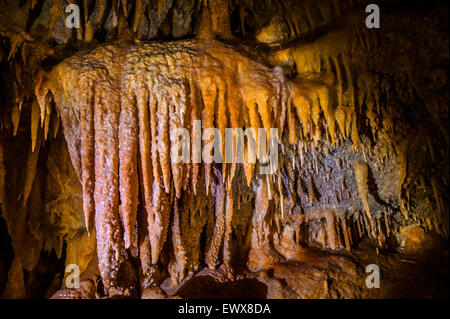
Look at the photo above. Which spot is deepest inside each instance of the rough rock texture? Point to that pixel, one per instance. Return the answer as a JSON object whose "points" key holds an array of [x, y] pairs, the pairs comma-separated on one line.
{"points": [[87, 175]]}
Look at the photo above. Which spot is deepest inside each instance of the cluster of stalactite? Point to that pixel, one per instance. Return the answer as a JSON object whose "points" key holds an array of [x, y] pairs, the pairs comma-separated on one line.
{"points": [[118, 105], [129, 105], [337, 108], [270, 21], [142, 17]]}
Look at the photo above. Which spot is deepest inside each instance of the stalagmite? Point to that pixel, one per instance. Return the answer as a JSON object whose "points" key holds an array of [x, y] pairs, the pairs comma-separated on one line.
{"points": [[216, 241], [330, 227], [15, 288], [227, 248], [179, 249], [159, 225]]}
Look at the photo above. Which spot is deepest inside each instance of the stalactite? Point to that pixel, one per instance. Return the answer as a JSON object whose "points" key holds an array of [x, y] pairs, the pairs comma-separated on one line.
{"points": [[209, 91], [3, 204], [31, 168], [347, 234], [159, 225], [439, 205], [220, 21], [110, 247], [196, 153], [358, 225], [402, 161], [15, 118], [311, 195], [128, 175], [361, 175], [144, 103], [86, 102], [137, 14], [355, 133], [386, 224], [303, 108], [34, 124], [163, 140]]}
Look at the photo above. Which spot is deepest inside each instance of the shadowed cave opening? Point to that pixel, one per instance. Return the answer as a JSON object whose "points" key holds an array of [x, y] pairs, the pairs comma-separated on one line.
{"points": [[206, 287], [6, 253], [47, 274]]}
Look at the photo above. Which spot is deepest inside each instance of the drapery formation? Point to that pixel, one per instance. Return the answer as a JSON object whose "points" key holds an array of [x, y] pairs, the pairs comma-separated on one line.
{"points": [[119, 105]]}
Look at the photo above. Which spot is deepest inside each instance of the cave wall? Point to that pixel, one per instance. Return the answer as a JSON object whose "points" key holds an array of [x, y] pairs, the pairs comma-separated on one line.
{"points": [[87, 112]]}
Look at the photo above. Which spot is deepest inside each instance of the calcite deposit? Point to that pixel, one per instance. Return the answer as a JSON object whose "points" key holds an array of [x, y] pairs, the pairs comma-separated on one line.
{"points": [[88, 175]]}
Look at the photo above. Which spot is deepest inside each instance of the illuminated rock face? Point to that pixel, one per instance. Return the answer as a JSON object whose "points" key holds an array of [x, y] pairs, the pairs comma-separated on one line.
{"points": [[361, 130], [118, 102]]}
